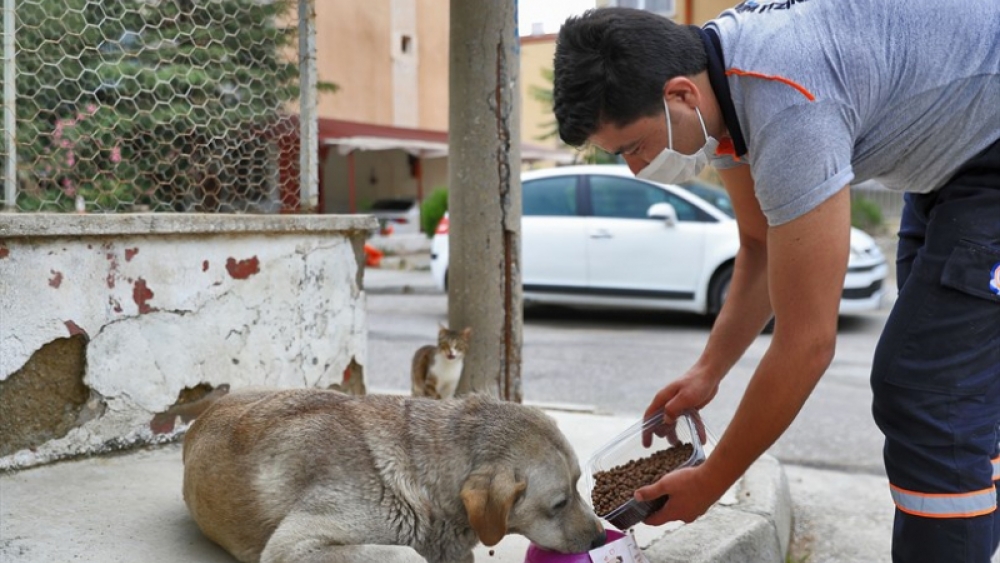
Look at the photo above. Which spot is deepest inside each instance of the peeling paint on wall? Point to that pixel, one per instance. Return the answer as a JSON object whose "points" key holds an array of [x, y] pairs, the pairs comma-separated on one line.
{"points": [[56, 280], [74, 329], [243, 269], [43, 400], [141, 294], [289, 314]]}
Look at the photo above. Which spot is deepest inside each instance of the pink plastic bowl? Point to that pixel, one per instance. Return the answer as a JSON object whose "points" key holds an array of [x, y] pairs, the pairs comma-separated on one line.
{"points": [[541, 555]]}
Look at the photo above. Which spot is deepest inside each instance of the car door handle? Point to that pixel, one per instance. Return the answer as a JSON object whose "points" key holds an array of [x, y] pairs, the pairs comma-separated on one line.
{"points": [[600, 233]]}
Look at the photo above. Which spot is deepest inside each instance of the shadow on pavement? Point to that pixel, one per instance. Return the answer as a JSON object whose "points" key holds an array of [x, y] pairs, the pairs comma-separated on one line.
{"points": [[556, 316], [568, 317]]}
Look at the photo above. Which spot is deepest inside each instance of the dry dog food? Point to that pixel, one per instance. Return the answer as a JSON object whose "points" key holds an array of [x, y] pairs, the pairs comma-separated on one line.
{"points": [[616, 486]]}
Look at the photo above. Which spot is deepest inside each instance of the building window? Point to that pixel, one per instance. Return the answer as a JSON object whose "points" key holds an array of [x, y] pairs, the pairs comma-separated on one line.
{"points": [[666, 8]]}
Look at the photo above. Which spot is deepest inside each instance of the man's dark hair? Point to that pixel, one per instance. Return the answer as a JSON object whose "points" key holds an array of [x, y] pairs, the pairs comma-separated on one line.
{"points": [[611, 65]]}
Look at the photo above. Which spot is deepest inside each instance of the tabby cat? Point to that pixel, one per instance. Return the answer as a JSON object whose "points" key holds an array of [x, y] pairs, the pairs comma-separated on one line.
{"points": [[437, 369]]}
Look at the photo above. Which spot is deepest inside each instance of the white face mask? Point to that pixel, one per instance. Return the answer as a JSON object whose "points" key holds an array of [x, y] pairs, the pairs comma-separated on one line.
{"points": [[672, 167]]}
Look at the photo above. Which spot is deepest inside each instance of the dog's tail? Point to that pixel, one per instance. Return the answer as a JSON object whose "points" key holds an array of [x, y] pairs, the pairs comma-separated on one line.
{"points": [[186, 409]]}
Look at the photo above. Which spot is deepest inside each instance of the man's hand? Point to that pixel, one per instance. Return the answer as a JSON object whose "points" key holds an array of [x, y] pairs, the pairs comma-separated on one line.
{"points": [[691, 392], [692, 492]]}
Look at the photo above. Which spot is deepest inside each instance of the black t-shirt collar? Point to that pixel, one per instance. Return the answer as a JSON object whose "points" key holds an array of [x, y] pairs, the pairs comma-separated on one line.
{"points": [[720, 85]]}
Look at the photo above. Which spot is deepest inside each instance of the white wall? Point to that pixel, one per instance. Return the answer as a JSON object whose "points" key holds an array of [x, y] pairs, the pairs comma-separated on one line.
{"points": [[168, 302]]}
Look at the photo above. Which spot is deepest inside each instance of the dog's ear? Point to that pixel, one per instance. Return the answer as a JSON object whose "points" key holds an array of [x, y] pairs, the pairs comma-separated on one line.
{"points": [[488, 495]]}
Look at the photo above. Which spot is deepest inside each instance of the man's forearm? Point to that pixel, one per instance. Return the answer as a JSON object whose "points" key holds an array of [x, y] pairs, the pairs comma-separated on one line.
{"points": [[745, 313], [782, 383]]}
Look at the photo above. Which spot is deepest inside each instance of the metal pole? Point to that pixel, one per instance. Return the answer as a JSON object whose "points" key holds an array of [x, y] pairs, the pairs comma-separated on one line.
{"points": [[9, 112], [308, 122]]}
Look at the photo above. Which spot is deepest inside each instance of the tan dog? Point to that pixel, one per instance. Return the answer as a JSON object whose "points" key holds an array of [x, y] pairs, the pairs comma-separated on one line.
{"points": [[318, 476]]}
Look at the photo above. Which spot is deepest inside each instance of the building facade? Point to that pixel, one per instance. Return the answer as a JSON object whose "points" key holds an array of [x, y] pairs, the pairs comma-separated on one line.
{"points": [[383, 133]]}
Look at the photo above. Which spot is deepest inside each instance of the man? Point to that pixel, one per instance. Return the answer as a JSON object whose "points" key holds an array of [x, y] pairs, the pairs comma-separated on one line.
{"points": [[792, 101]]}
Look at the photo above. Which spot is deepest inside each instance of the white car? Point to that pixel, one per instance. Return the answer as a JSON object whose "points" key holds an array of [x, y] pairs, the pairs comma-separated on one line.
{"points": [[594, 235], [400, 216]]}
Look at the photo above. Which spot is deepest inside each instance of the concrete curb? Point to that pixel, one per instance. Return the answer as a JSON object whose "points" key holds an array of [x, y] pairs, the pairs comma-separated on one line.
{"points": [[756, 528], [403, 289]]}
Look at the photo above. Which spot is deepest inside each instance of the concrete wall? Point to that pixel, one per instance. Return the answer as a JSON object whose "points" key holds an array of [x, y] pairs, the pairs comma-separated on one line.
{"points": [[115, 328]]}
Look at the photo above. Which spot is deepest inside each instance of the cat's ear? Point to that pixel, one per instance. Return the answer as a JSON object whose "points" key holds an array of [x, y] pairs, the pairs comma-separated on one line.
{"points": [[466, 332], [442, 328]]}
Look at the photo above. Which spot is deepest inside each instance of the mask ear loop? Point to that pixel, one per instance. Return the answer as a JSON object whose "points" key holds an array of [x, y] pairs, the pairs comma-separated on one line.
{"points": [[704, 131], [670, 130]]}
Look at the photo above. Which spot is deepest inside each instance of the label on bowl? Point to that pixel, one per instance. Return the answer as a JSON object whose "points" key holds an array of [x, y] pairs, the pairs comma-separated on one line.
{"points": [[622, 550]]}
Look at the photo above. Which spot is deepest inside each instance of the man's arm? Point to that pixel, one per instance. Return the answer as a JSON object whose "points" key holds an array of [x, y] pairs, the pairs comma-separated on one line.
{"points": [[748, 306], [807, 261]]}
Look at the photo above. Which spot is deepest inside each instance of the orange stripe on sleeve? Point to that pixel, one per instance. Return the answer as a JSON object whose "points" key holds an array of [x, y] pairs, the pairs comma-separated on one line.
{"points": [[800, 88], [726, 147]]}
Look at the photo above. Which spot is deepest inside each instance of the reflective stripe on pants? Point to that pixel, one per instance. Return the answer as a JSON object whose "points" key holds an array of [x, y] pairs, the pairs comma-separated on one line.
{"points": [[962, 505]]}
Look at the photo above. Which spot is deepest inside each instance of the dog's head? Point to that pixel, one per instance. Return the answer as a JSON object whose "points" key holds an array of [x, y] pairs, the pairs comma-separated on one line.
{"points": [[532, 490]]}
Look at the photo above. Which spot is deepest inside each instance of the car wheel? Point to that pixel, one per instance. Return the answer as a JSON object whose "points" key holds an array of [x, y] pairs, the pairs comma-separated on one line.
{"points": [[718, 290]]}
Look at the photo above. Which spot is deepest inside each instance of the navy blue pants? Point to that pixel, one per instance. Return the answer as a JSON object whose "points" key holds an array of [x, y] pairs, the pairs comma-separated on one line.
{"points": [[936, 372]]}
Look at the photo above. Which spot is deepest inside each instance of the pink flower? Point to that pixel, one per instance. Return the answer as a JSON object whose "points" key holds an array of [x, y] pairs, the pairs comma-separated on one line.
{"points": [[68, 187], [70, 159], [116, 154], [91, 109]]}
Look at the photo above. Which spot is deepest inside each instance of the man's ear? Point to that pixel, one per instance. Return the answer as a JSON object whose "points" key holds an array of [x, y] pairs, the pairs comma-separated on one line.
{"points": [[488, 495], [683, 89]]}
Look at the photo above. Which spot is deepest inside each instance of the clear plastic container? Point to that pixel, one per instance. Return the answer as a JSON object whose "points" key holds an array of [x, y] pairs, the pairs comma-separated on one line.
{"points": [[628, 446]]}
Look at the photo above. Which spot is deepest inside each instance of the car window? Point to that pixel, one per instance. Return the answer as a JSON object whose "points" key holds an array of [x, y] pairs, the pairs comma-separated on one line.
{"points": [[714, 195], [549, 196], [624, 198]]}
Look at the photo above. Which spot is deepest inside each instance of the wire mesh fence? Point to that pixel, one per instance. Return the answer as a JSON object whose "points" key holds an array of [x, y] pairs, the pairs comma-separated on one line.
{"points": [[151, 105]]}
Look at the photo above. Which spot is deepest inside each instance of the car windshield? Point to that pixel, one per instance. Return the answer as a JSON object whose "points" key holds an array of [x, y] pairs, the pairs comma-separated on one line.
{"points": [[713, 195]]}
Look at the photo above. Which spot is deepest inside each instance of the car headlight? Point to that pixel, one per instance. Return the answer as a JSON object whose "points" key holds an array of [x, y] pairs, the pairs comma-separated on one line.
{"points": [[866, 252]]}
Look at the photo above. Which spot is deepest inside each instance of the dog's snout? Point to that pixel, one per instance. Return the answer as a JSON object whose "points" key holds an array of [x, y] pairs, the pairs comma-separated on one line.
{"points": [[599, 540]]}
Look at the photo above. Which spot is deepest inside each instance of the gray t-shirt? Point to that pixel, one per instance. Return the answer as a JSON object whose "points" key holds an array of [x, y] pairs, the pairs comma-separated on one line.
{"points": [[829, 92]]}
